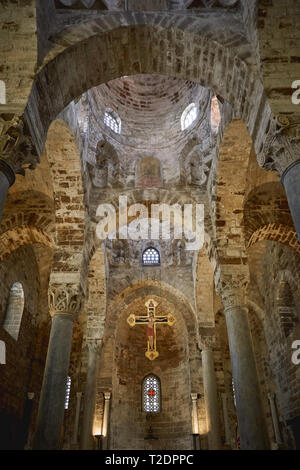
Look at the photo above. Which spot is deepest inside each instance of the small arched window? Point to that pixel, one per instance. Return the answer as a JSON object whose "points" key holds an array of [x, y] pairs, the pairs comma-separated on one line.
{"points": [[68, 391], [188, 116], [151, 394], [112, 120], [151, 257], [14, 311]]}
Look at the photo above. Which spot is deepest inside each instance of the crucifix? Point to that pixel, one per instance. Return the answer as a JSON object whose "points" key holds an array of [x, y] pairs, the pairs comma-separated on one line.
{"points": [[151, 320]]}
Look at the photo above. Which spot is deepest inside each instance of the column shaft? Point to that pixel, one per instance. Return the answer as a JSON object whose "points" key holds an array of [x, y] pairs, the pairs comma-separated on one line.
{"points": [[53, 393], [248, 401], [291, 182], [76, 422], [105, 424], [211, 400], [89, 400]]}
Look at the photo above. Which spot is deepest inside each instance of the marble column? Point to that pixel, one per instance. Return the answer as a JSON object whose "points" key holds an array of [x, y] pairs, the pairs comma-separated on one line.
{"points": [[65, 304], [291, 182], [76, 422], [226, 419], [245, 378], [281, 152], [17, 153], [89, 398], [211, 399], [105, 424], [274, 415]]}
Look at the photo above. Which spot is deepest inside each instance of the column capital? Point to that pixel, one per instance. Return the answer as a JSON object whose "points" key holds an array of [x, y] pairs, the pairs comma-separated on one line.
{"points": [[206, 343], [17, 151], [194, 396], [232, 285], [65, 299], [107, 396], [281, 146], [94, 345]]}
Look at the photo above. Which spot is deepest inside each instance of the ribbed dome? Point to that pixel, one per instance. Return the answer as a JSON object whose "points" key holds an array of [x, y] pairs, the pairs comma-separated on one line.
{"points": [[149, 106]]}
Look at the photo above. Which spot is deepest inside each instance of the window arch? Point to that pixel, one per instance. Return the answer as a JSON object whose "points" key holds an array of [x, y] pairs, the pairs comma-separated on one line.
{"points": [[14, 311], [188, 116], [112, 120], [151, 256], [151, 394]]}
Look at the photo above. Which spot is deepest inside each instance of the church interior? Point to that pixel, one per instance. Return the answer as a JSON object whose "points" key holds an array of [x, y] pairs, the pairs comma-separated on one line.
{"points": [[121, 343]]}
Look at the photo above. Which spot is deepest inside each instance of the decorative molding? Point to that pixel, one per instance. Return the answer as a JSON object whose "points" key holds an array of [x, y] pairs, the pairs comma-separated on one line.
{"points": [[206, 343], [16, 147], [94, 345], [65, 299], [281, 147], [232, 285]]}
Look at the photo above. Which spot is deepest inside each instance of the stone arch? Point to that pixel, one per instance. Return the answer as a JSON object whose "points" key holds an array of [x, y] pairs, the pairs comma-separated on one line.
{"points": [[152, 287], [210, 64], [278, 233], [23, 235], [105, 173], [264, 205], [64, 159], [130, 367]]}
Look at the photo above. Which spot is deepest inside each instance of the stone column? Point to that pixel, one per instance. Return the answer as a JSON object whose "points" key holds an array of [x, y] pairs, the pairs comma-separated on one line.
{"points": [[195, 425], [226, 420], [291, 182], [281, 152], [274, 415], [65, 304], [105, 424], [17, 153], [76, 422], [248, 400], [90, 395], [211, 398]]}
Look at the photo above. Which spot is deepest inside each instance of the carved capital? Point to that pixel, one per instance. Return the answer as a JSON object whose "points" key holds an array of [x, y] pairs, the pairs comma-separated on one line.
{"points": [[94, 345], [232, 286], [281, 147], [16, 147], [107, 396], [65, 299], [206, 343]]}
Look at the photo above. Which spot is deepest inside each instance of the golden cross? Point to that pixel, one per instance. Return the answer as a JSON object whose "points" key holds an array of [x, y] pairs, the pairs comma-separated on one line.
{"points": [[151, 320]]}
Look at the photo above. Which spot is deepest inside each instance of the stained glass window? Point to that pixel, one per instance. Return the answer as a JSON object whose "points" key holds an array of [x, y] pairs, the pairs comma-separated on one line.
{"points": [[68, 390], [151, 256], [188, 116], [151, 394], [112, 120]]}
